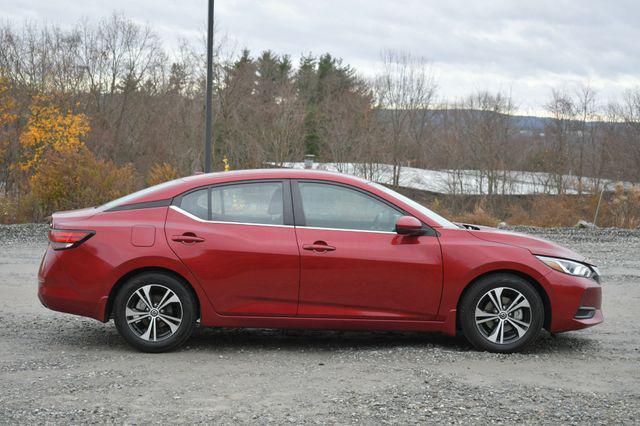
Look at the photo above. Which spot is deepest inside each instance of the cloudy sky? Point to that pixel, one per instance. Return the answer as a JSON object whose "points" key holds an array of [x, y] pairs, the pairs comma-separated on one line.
{"points": [[525, 47]]}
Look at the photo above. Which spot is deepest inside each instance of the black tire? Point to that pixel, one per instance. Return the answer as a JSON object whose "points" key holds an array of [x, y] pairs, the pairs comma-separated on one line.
{"points": [[164, 335], [508, 286]]}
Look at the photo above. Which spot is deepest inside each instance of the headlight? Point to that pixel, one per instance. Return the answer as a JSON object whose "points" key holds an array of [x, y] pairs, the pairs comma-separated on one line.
{"points": [[568, 267]]}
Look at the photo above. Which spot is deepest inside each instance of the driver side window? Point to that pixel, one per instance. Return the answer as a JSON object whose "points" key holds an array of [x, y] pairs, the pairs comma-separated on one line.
{"points": [[333, 206]]}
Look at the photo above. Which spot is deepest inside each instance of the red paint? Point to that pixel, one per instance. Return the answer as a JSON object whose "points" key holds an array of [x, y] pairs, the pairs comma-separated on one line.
{"points": [[247, 275], [143, 235], [244, 269], [369, 275], [408, 225]]}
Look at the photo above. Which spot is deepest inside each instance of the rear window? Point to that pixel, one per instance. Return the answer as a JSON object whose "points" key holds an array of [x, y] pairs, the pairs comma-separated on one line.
{"points": [[131, 198], [196, 203]]}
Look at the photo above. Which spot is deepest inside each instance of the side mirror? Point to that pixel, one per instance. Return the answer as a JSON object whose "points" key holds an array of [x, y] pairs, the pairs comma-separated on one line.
{"points": [[409, 225]]}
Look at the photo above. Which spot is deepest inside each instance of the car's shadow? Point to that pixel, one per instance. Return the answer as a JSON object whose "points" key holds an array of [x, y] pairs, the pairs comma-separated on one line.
{"points": [[328, 340], [98, 336], [318, 340]]}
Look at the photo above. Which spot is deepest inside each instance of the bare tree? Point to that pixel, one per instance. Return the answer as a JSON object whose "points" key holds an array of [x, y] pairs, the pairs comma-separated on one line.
{"points": [[344, 128], [628, 113], [587, 140], [404, 91], [488, 130], [560, 132]]}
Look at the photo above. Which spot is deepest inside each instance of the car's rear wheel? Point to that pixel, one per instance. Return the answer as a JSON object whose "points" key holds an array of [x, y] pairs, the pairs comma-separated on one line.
{"points": [[501, 313], [154, 312]]}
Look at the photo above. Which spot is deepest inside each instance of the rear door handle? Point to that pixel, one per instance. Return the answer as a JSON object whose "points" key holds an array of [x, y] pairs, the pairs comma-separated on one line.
{"points": [[187, 239], [319, 246]]}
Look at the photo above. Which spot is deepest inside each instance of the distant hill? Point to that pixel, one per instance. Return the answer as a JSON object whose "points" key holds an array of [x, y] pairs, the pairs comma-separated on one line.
{"points": [[530, 123]]}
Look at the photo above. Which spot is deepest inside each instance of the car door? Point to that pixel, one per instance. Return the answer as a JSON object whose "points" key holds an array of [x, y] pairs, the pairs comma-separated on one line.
{"points": [[239, 241], [354, 265]]}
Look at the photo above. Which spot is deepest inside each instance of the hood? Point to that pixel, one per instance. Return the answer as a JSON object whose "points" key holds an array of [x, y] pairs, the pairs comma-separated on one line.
{"points": [[533, 244]]}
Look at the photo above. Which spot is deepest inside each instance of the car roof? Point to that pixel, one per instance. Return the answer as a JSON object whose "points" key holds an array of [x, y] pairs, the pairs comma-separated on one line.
{"points": [[210, 178], [178, 186]]}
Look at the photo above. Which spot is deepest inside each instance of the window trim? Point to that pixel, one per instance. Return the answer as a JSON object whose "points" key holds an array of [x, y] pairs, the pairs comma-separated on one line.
{"points": [[287, 201], [298, 208], [219, 222], [141, 205]]}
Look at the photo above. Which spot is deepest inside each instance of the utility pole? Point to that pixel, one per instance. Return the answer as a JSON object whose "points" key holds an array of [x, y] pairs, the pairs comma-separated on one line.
{"points": [[208, 131]]}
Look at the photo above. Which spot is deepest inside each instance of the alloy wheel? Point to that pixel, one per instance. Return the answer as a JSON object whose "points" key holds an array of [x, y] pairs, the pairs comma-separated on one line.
{"points": [[154, 312], [503, 315]]}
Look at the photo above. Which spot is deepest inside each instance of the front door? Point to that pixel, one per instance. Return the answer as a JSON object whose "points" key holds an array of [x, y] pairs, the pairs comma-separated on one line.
{"points": [[238, 240], [354, 265]]}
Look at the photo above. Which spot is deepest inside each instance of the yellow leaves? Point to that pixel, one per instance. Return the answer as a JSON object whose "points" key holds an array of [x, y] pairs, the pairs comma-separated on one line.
{"points": [[49, 130], [7, 104], [7, 114], [74, 179], [161, 173]]}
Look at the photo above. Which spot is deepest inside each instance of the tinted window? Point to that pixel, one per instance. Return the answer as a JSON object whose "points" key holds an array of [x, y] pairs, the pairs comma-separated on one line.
{"points": [[248, 203], [332, 206], [196, 203]]}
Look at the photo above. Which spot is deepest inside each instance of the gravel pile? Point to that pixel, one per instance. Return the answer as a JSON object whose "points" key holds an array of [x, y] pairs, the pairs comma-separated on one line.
{"points": [[27, 233]]}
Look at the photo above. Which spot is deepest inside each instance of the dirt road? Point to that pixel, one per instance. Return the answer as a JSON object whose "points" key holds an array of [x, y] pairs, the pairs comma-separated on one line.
{"points": [[60, 368]]}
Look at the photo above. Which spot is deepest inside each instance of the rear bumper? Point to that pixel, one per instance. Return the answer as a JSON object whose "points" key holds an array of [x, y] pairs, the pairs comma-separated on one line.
{"points": [[58, 292]]}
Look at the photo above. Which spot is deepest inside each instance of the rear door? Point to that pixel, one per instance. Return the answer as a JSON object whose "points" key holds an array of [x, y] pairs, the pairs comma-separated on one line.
{"points": [[354, 265], [239, 241]]}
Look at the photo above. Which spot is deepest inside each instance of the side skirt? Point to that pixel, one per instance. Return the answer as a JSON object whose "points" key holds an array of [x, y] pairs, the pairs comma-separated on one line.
{"points": [[329, 323]]}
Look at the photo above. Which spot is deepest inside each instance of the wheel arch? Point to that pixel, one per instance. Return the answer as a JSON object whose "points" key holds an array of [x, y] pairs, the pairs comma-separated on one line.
{"points": [[142, 270], [546, 302]]}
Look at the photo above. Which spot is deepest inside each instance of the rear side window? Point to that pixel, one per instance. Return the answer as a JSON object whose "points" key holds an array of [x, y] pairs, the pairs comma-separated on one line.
{"points": [[248, 203], [257, 202], [196, 204]]}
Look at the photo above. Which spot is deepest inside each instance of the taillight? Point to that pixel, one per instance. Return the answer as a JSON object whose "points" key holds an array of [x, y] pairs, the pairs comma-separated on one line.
{"points": [[68, 238]]}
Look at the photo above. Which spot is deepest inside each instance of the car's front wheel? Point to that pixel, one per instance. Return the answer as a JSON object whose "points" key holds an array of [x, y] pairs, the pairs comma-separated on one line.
{"points": [[501, 313], [154, 312]]}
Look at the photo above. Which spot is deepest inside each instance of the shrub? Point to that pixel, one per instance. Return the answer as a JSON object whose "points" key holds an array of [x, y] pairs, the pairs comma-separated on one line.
{"points": [[623, 210], [479, 216], [517, 215], [8, 210], [75, 179], [161, 173]]}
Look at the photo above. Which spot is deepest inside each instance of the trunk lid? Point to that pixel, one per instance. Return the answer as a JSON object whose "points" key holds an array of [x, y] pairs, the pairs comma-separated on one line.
{"points": [[69, 217]]}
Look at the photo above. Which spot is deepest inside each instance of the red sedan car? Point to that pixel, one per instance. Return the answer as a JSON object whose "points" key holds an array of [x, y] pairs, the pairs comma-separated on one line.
{"points": [[306, 249]]}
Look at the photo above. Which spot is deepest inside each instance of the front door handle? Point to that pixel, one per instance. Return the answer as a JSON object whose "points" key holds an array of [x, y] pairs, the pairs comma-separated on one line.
{"points": [[319, 246], [187, 238]]}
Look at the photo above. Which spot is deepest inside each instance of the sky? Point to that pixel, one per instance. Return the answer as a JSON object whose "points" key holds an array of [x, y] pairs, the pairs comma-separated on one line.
{"points": [[525, 48]]}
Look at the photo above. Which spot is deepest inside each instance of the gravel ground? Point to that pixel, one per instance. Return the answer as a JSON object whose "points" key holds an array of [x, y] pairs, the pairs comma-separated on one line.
{"points": [[57, 368]]}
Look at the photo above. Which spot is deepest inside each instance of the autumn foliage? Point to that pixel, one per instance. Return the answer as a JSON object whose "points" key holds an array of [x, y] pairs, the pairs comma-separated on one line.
{"points": [[7, 115], [161, 173], [76, 178], [50, 130], [54, 168]]}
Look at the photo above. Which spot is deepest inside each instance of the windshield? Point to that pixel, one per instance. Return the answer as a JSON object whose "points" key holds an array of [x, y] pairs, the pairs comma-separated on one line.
{"points": [[128, 198], [445, 223]]}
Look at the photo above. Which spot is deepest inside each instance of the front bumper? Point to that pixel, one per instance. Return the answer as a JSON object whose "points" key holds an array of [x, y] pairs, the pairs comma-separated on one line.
{"points": [[571, 297]]}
